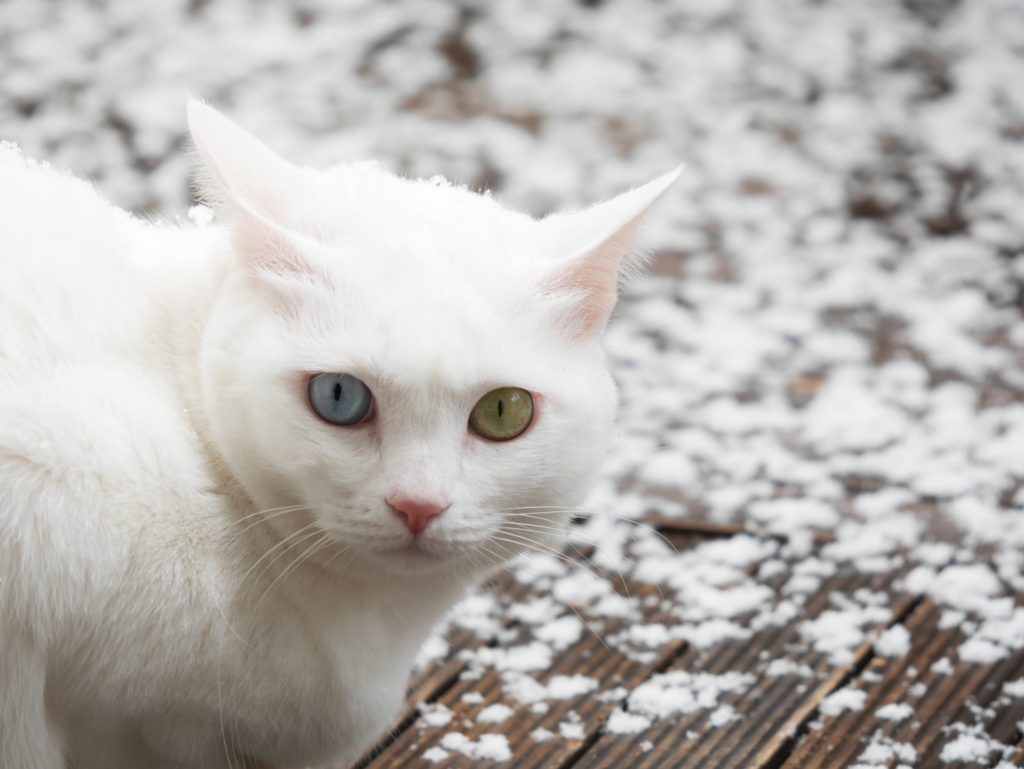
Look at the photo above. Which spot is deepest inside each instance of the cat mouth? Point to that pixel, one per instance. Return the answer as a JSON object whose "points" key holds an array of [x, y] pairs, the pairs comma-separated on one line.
{"points": [[420, 553]]}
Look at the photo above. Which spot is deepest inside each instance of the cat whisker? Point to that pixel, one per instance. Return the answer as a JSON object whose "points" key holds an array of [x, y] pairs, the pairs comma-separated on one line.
{"points": [[487, 553], [596, 513], [538, 507], [544, 549], [294, 544], [267, 510], [235, 633], [576, 611], [322, 541], [283, 543], [342, 550], [632, 562], [265, 515], [526, 528]]}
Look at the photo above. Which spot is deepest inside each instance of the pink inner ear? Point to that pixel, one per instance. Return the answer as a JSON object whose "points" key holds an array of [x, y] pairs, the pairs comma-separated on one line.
{"points": [[265, 247], [594, 275]]}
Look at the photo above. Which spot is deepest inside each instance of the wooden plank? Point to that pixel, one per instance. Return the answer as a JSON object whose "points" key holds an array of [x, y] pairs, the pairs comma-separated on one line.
{"points": [[696, 526], [778, 725], [768, 712], [937, 698], [588, 658]]}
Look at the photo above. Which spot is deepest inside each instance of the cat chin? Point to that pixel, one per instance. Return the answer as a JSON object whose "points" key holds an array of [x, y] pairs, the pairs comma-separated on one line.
{"points": [[421, 560], [416, 562]]}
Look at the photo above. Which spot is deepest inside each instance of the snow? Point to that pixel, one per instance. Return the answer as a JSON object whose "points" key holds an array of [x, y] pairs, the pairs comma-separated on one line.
{"points": [[881, 750], [560, 633], [722, 715], [784, 667], [435, 715], [566, 687], [895, 711], [494, 714], [894, 642], [435, 754], [838, 632], [966, 747], [490, 747], [572, 728], [708, 634], [621, 722], [679, 692], [1014, 688], [532, 656], [845, 699], [981, 651]]}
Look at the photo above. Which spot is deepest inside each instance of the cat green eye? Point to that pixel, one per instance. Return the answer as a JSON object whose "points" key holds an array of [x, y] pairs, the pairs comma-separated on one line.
{"points": [[502, 414]]}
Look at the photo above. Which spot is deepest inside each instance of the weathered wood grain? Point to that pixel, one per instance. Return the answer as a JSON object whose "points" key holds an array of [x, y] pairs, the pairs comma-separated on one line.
{"points": [[938, 700], [770, 713], [778, 722]]}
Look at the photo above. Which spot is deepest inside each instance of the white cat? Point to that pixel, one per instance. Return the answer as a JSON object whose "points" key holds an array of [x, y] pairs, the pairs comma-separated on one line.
{"points": [[245, 469]]}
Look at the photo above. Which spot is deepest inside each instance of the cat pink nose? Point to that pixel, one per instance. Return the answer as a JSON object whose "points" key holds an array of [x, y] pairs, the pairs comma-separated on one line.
{"points": [[417, 513]]}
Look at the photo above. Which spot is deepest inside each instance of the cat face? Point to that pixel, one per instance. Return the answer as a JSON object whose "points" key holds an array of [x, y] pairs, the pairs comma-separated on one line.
{"points": [[416, 367]]}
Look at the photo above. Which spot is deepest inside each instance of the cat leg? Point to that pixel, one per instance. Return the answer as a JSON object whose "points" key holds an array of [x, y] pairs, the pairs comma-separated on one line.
{"points": [[27, 739]]}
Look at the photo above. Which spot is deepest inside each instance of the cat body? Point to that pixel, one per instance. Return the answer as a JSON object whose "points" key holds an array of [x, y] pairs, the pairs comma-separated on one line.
{"points": [[195, 568]]}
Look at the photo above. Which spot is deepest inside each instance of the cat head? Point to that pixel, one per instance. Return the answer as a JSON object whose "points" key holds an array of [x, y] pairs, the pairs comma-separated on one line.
{"points": [[415, 369]]}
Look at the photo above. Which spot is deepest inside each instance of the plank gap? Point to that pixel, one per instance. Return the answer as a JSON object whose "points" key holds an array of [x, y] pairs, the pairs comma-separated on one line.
{"points": [[773, 757], [588, 743]]}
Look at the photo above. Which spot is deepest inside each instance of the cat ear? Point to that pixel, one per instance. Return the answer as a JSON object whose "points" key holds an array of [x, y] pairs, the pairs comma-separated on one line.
{"points": [[248, 184], [599, 239], [237, 167]]}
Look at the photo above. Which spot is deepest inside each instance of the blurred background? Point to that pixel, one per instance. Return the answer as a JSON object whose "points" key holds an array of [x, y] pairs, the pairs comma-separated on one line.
{"points": [[836, 303], [834, 314]]}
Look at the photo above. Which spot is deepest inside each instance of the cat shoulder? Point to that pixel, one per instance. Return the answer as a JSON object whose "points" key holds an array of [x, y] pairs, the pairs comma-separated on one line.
{"points": [[35, 195]]}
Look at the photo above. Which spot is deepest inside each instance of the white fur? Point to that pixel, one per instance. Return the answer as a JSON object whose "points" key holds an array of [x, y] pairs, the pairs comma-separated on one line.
{"points": [[152, 406]]}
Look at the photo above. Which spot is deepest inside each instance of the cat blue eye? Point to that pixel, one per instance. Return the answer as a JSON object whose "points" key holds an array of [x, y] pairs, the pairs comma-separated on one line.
{"points": [[340, 399]]}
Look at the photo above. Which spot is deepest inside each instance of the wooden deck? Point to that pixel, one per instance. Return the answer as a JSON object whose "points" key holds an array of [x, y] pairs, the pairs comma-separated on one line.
{"points": [[776, 718]]}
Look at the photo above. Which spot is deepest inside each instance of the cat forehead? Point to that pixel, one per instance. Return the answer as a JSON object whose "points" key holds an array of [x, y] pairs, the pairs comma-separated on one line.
{"points": [[423, 245], [362, 196], [431, 285], [420, 332], [428, 331]]}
